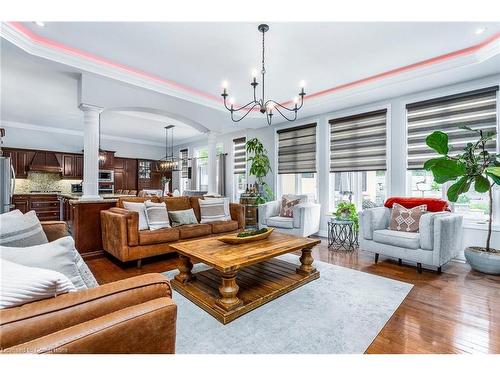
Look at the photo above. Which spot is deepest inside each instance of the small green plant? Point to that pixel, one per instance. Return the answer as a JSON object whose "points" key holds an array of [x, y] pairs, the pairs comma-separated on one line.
{"points": [[474, 165], [250, 233], [260, 166], [347, 211]]}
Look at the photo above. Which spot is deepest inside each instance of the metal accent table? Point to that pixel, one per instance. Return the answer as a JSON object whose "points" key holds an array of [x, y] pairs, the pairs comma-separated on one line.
{"points": [[342, 235]]}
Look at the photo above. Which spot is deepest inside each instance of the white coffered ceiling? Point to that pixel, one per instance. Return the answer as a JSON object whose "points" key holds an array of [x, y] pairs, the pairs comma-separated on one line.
{"points": [[189, 61]]}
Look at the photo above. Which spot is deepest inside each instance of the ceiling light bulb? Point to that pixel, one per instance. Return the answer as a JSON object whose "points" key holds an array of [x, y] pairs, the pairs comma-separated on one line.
{"points": [[295, 100], [254, 73], [480, 30], [224, 84], [302, 84], [231, 100], [39, 23]]}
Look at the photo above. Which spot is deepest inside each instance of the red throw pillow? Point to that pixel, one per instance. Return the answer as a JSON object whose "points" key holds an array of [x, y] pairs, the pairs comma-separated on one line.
{"points": [[433, 204]]}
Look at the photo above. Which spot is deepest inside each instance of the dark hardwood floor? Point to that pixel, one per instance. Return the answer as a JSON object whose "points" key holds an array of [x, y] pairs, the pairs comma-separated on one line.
{"points": [[457, 311]]}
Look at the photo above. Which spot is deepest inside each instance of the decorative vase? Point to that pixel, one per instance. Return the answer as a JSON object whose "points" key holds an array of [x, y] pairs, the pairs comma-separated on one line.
{"points": [[482, 261]]}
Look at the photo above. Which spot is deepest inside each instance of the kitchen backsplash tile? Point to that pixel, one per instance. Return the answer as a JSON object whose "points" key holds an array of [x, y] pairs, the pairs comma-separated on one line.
{"points": [[43, 181]]}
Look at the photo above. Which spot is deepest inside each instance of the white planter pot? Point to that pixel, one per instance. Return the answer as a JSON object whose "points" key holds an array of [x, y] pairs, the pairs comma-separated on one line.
{"points": [[482, 261]]}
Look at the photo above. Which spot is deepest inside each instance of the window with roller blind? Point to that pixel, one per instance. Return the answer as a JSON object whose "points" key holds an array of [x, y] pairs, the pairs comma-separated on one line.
{"points": [[476, 109], [358, 159], [239, 167], [297, 161]]}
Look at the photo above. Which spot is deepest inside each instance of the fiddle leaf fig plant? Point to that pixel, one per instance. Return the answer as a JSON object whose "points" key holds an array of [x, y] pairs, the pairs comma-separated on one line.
{"points": [[260, 166], [474, 166]]}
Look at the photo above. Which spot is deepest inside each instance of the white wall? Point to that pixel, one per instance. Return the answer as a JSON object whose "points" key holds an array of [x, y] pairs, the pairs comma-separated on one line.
{"points": [[63, 140]]}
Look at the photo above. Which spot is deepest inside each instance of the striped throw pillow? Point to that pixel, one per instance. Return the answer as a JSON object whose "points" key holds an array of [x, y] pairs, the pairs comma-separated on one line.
{"points": [[157, 215], [21, 231], [22, 284], [214, 209]]}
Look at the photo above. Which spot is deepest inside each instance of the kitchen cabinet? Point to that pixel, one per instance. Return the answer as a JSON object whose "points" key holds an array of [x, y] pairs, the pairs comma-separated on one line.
{"points": [[46, 206], [72, 166], [21, 203], [125, 174], [108, 163], [148, 177], [20, 160]]}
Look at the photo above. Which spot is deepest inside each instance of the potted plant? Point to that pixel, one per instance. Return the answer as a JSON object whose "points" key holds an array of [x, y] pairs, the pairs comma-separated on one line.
{"points": [[475, 165], [347, 211], [260, 166]]}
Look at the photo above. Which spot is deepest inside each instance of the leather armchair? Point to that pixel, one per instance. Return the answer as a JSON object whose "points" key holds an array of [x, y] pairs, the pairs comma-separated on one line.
{"points": [[135, 315]]}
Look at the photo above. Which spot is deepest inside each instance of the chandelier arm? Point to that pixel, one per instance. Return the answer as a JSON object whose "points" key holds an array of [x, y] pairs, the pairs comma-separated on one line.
{"points": [[244, 106], [288, 119], [245, 115], [276, 105]]}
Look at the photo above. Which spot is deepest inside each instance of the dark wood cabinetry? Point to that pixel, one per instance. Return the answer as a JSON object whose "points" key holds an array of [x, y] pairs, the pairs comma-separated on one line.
{"points": [[125, 174], [20, 160], [46, 206], [72, 166], [148, 177], [108, 163], [21, 203]]}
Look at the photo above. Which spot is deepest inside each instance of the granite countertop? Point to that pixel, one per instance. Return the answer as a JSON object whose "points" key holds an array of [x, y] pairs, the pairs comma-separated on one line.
{"points": [[107, 198]]}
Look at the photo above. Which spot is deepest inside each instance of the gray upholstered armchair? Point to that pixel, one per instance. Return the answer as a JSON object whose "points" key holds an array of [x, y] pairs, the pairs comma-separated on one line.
{"points": [[305, 221], [438, 241]]}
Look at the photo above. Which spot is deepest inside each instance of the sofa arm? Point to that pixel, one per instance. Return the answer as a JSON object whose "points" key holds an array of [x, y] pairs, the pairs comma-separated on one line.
{"points": [[55, 229], [374, 219], [109, 318], [426, 229], [118, 232], [447, 238], [238, 214], [267, 210], [307, 216]]}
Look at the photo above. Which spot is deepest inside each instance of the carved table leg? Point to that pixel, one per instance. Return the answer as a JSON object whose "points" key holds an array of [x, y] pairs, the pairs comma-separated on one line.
{"points": [[229, 290], [306, 261], [185, 266]]}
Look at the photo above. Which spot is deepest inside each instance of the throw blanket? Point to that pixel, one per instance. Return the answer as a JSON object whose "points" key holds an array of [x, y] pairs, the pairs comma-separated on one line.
{"points": [[433, 204]]}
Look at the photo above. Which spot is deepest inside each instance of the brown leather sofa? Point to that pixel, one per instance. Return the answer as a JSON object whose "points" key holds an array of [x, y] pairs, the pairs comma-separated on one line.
{"points": [[122, 238], [135, 315]]}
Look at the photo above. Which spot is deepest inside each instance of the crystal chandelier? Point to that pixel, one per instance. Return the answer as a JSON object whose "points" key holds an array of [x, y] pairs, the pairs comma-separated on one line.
{"points": [[264, 106], [169, 163]]}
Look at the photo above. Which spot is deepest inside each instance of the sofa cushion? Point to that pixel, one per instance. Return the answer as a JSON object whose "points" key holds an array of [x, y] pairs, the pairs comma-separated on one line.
{"points": [[214, 209], [280, 222], [22, 284], [182, 217], [140, 208], [150, 237], [406, 219], [223, 226], [176, 203], [21, 230], [122, 200], [408, 240], [157, 215], [59, 255], [194, 230]]}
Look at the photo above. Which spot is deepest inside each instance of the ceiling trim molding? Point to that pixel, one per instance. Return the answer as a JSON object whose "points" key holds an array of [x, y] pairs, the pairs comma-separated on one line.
{"points": [[40, 46], [77, 133]]}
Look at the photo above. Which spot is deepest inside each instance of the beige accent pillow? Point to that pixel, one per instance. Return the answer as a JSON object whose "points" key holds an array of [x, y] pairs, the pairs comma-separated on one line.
{"points": [[287, 206], [140, 208], [406, 219], [22, 284], [157, 215], [214, 209], [18, 230]]}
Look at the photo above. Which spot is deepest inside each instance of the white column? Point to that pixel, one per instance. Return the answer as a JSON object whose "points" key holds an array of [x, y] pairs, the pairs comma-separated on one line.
{"points": [[212, 163], [90, 184]]}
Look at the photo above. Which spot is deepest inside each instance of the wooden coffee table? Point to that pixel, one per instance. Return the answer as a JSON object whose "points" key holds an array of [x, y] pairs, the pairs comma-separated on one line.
{"points": [[242, 277]]}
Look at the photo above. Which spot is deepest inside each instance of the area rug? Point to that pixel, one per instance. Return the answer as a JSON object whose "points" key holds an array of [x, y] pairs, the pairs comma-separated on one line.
{"points": [[341, 312]]}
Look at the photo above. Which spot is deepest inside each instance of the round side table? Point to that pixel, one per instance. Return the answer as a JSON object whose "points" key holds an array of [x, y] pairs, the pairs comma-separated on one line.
{"points": [[342, 235]]}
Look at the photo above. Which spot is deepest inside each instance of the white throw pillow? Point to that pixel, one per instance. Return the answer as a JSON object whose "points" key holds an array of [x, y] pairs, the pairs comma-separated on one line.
{"points": [[214, 209], [21, 230], [59, 255], [139, 208], [157, 215], [21, 284]]}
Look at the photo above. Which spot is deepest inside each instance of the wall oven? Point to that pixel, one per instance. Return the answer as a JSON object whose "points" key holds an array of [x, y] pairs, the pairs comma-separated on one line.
{"points": [[106, 176]]}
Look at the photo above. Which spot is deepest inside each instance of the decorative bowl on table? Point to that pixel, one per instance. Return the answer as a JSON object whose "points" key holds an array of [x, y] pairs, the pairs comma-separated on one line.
{"points": [[246, 236]]}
